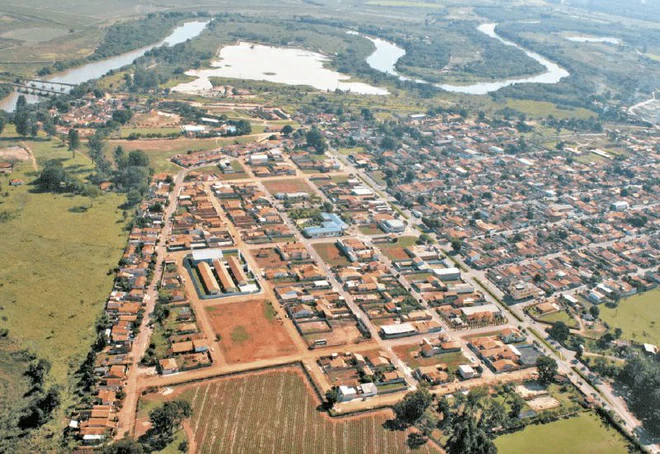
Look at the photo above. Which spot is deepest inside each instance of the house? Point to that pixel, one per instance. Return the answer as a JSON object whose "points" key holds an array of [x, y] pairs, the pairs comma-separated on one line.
{"points": [[346, 393], [435, 375], [168, 366], [301, 311], [512, 336], [466, 372], [367, 390], [393, 226], [332, 225], [447, 274], [6, 167], [400, 330]]}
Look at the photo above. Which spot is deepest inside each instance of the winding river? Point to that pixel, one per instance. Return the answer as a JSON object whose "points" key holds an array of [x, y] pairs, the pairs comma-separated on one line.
{"points": [[387, 54], [100, 68]]}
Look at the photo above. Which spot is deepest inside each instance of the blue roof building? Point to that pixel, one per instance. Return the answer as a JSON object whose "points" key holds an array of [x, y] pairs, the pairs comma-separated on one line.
{"points": [[332, 226]]}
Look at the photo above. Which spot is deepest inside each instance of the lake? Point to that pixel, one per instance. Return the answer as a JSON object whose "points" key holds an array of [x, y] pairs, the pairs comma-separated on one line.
{"points": [[282, 65], [100, 68], [387, 54]]}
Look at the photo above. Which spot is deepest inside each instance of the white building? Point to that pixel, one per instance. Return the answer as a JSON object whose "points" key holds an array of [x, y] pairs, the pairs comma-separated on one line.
{"points": [[393, 225], [447, 274], [466, 371], [346, 393]]}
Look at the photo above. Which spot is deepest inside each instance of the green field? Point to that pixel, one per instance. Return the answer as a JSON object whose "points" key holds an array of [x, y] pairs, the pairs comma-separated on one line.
{"points": [[57, 252], [638, 317], [277, 411], [582, 434], [560, 316]]}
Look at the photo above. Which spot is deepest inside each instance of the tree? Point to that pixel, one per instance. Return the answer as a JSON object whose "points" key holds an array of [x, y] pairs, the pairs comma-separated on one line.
{"points": [[547, 368], [73, 141], [412, 407], [53, 177], [331, 397], [22, 117], [315, 140], [468, 438], [164, 421], [287, 130], [138, 158], [416, 440], [133, 198], [559, 331], [594, 311], [121, 161], [125, 446], [243, 127], [456, 244], [122, 116]]}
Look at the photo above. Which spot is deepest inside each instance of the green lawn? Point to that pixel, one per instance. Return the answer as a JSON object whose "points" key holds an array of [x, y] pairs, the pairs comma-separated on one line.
{"points": [[638, 317], [584, 433]]}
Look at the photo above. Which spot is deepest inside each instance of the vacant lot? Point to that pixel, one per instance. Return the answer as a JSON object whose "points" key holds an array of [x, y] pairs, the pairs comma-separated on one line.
{"points": [[410, 355], [331, 254], [248, 332], [395, 251], [638, 317], [560, 316], [288, 186], [582, 434], [276, 411]]}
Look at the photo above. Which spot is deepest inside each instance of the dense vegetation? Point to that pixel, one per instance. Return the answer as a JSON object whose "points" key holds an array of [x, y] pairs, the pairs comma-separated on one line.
{"points": [[642, 376]]}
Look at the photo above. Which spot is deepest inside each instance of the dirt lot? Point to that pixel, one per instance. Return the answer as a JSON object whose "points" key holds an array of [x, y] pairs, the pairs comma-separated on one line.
{"points": [[247, 334], [155, 120], [288, 185], [267, 257], [13, 154], [331, 254]]}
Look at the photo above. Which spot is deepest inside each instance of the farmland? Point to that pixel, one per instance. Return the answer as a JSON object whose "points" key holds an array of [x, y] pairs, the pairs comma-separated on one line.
{"points": [[582, 434], [277, 411], [638, 317], [249, 332]]}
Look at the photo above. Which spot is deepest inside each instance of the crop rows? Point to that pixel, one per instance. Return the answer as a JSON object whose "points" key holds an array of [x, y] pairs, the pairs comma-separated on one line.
{"points": [[277, 413]]}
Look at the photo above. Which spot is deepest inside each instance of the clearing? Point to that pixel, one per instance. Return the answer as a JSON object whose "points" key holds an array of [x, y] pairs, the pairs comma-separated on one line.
{"points": [[585, 433], [248, 333], [395, 251]]}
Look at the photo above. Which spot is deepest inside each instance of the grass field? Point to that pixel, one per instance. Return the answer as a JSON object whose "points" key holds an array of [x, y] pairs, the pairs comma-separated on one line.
{"points": [[561, 316], [638, 317], [277, 412], [543, 109], [56, 279], [408, 352], [580, 435]]}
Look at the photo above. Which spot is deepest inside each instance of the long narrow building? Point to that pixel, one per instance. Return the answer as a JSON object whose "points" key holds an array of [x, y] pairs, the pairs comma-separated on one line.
{"points": [[237, 270], [225, 279], [208, 279]]}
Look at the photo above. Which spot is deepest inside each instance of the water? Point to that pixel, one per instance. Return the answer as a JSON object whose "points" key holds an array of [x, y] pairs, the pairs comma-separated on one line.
{"points": [[387, 54], [594, 39], [99, 68], [274, 64]]}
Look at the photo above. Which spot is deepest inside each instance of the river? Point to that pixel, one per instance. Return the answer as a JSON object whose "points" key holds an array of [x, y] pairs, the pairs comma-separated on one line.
{"points": [[387, 54], [100, 68]]}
